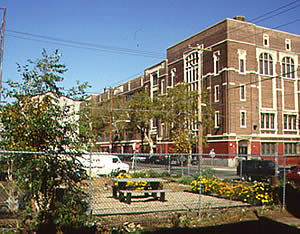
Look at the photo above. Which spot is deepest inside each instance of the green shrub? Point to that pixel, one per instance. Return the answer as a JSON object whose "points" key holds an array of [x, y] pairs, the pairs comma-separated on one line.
{"points": [[185, 180]]}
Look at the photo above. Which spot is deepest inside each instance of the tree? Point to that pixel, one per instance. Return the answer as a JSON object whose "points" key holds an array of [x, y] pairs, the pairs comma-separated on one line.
{"points": [[141, 110], [98, 113], [180, 107], [37, 120]]}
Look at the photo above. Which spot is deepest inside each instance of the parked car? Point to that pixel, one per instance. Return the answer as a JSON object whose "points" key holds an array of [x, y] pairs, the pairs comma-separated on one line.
{"points": [[260, 170], [294, 176]]}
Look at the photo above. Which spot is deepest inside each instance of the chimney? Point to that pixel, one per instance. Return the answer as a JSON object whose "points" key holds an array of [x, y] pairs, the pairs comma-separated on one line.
{"points": [[240, 18]]}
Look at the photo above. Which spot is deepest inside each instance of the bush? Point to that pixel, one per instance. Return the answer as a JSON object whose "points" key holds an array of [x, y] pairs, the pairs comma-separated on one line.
{"points": [[185, 180]]}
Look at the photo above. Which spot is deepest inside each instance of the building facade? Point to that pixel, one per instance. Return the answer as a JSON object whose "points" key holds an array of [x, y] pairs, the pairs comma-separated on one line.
{"points": [[251, 74]]}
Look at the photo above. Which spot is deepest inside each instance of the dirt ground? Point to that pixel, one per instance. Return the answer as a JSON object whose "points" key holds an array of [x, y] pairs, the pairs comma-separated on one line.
{"points": [[191, 219], [153, 222], [170, 220]]}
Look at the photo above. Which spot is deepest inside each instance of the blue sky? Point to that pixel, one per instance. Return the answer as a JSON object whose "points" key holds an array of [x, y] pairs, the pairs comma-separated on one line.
{"points": [[146, 28]]}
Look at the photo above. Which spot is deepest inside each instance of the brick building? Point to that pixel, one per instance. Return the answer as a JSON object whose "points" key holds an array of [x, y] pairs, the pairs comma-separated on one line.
{"points": [[251, 73]]}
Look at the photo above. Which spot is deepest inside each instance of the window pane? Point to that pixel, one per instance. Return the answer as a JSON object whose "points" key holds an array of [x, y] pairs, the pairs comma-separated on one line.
{"points": [[261, 67], [271, 68], [285, 121], [242, 65], [262, 116], [272, 120]]}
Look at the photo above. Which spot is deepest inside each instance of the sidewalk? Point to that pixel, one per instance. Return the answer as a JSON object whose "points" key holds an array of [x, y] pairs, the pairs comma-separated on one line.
{"points": [[289, 220]]}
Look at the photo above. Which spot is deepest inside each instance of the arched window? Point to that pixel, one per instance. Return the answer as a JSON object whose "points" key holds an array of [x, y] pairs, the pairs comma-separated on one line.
{"points": [[191, 70], [288, 67], [265, 64]]}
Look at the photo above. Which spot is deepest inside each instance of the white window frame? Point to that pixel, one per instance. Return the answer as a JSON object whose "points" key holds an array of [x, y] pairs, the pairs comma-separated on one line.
{"points": [[173, 75], [266, 65], [162, 130], [191, 69], [288, 67], [216, 56], [243, 118], [288, 44], [162, 87], [243, 90], [290, 122], [242, 57], [290, 148], [217, 93], [266, 121], [154, 84], [266, 40], [268, 148], [217, 119]]}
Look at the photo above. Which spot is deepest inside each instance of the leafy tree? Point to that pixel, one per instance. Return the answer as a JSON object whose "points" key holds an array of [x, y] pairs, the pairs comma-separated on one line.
{"points": [[98, 115], [141, 110], [181, 106], [38, 120]]}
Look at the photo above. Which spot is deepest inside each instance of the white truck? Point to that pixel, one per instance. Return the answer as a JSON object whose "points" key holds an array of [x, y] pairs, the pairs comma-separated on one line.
{"points": [[103, 164]]}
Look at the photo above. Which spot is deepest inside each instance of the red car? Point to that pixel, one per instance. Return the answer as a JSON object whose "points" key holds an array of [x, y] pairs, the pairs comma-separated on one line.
{"points": [[294, 176]]}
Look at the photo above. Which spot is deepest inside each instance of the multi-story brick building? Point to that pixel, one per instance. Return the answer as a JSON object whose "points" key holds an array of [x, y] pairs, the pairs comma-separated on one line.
{"points": [[251, 73]]}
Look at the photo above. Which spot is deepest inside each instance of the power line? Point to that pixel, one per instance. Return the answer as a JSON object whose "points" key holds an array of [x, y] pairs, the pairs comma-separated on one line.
{"points": [[89, 46]]}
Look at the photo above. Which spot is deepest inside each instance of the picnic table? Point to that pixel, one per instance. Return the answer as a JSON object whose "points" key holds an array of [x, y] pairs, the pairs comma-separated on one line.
{"points": [[150, 187]]}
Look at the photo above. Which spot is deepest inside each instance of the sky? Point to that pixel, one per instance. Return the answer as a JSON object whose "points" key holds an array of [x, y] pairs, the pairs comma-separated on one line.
{"points": [[106, 43]]}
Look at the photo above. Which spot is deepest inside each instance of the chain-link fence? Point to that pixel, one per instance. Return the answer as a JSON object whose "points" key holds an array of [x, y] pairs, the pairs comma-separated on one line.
{"points": [[168, 184]]}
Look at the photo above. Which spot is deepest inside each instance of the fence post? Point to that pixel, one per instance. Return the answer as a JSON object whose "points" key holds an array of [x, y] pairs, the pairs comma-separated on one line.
{"points": [[200, 179], [284, 181], [90, 187], [276, 164], [241, 167], [169, 164]]}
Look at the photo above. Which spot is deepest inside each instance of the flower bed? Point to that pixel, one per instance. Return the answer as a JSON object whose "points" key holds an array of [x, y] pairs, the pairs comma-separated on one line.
{"points": [[138, 185], [255, 194]]}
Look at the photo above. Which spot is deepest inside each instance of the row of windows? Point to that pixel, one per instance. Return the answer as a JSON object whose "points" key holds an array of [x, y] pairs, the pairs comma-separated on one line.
{"points": [[266, 42], [271, 148], [242, 93], [266, 66], [267, 121]]}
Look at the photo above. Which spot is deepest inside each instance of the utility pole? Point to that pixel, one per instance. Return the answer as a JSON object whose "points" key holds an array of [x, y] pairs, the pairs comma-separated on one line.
{"points": [[110, 118], [2, 43], [200, 50]]}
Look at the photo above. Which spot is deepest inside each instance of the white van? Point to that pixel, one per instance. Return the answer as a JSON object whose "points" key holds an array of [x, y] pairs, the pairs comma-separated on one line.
{"points": [[103, 164]]}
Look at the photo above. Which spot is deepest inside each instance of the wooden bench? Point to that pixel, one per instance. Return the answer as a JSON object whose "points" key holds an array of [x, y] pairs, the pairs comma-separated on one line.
{"points": [[125, 195]]}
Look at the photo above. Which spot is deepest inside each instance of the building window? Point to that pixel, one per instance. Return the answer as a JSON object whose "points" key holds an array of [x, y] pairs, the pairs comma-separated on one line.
{"points": [[154, 78], [265, 64], [243, 118], [243, 92], [268, 148], [128, 98], [154, 122], [288, 44], [217, 93], [290, 148], [242, 60], [162, 87], [162, 130], [191, 70], [217, 119], [288, 67], [266, 40], [290, 122], [242, 65], [267, 120], [173, 75], [216, 62]]}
